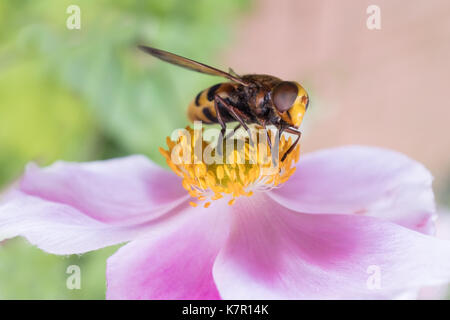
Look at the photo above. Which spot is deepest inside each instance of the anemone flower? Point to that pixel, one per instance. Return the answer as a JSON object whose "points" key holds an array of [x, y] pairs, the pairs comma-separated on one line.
{"points": [[345, 216]]}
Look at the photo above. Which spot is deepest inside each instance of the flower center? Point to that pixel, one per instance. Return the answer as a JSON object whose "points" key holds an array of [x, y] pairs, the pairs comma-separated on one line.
{"points": [[239, 169]]}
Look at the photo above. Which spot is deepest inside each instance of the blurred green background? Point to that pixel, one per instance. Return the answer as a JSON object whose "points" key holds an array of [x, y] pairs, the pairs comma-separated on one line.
{"points": [[90, 94]]}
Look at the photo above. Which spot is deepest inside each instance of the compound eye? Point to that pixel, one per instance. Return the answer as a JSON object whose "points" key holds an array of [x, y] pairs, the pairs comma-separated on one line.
{"points": [[284, 95]]}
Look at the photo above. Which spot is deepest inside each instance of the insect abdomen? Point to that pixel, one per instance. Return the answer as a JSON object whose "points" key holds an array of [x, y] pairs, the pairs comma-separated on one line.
{"points": [[202, 107]]}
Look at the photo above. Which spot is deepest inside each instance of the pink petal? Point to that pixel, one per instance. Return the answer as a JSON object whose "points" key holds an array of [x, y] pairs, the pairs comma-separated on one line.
{"points": [[61, 229], [120, 191], [73, 208], [54, 227], [361, 180], [175, 265], [276, 253]]}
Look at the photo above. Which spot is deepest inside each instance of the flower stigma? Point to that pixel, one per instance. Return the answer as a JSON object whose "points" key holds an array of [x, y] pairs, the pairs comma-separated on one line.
{"points": [[235, 167]]}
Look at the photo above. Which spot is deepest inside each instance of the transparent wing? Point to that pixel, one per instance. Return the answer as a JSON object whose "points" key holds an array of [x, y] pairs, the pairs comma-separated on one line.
{"points": [[190, 64]]}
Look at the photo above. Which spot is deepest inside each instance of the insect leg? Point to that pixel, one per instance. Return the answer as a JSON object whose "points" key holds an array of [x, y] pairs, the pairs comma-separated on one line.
{"points": [[293, 131], [269, 140], [222, 124], [234, 131], [219, 118], [234, 113]]}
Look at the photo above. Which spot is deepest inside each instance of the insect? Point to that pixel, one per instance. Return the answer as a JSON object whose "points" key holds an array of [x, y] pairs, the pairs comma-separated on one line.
{"points": [[249, 99]]}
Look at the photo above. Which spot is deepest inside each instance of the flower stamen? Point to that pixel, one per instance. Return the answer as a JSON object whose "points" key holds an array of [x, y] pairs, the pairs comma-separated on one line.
{"points": [[240, 172]]}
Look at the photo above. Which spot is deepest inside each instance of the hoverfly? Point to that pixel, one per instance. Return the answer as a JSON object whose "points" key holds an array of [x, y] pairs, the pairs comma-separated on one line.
{"points": [[249, 99]]}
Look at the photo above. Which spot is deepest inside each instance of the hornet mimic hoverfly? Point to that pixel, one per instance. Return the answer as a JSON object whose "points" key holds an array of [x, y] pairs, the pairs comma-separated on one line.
{"points": [[249, 99]]}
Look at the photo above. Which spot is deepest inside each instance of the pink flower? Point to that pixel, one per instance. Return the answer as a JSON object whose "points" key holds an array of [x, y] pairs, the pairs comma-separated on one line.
{"points": [[345, 213]]}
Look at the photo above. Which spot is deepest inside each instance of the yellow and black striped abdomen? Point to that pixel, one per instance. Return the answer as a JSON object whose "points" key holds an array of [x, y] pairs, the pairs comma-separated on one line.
{"points": [[202, 107]]}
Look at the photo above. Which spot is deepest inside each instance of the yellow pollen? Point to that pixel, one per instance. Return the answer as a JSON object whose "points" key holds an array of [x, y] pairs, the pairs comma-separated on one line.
{"points": [[193, 204], [238, 173]]}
